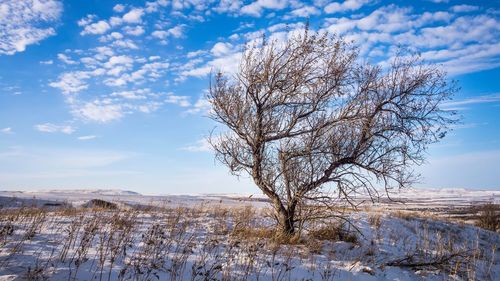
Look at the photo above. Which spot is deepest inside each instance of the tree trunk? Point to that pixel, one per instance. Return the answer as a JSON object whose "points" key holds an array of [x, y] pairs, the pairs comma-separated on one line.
{"points": [[286, 227]]}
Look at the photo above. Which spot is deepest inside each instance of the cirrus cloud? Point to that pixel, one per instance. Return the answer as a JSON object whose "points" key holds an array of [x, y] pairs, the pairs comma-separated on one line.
{"points": [[53, 128]]}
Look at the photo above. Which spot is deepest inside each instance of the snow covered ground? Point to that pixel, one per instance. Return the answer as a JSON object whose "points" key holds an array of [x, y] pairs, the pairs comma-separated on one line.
{"points": [[227, 237]]}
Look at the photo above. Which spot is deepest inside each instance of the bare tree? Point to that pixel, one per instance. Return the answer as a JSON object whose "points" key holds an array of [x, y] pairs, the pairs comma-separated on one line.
{"points": [[306, 120]]}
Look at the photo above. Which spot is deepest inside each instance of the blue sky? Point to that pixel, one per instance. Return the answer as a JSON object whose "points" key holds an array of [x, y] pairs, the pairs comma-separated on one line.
{"points": [[110, 94]]}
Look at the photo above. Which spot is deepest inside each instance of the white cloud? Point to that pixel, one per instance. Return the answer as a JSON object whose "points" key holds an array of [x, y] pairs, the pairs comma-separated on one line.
{"points": [[221, 48], [147, 107], [470, 58], [100, 112], [104, 86], [103, 52], [198, 5], [200, 146], [348, 5], [47, 62], [125, 44], [119, 60], [99, 27], [86, 20], [467, 29], [153, 6], [161, 34], [116, 70], [72, 82], [228, 63], [114, 21], [52, 128], [7, 130], [110, 37], [202, 105], [132, 95], [464, 8], [176, 32], [387, 19], [134, 16], [64, 58], [196, 53], [119, 8], [136, 31], [24, 23], [256, 8], [150, 71], [305, 12], [285, 27], [89, 62], [85, 138], [461, 43], [153, 69], [182, 101], [226, 6]]}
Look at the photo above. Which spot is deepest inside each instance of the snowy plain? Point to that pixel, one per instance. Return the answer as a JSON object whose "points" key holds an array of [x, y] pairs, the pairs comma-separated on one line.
{"points": [[49, 235]]}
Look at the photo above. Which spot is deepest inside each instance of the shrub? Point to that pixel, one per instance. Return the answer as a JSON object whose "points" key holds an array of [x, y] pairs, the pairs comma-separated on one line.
{"points": [[488, 217], [98, 203], [333, 232]]}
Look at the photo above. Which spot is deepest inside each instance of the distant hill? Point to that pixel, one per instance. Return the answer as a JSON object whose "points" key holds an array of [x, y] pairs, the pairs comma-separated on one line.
{"points": [[108, 192]]}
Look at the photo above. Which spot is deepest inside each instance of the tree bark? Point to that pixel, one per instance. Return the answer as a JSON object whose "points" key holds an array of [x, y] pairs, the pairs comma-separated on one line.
{"points": [[286, 220]]}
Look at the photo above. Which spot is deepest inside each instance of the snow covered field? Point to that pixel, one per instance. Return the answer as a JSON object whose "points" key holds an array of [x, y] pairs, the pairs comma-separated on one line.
{"points": [[49, 235]]}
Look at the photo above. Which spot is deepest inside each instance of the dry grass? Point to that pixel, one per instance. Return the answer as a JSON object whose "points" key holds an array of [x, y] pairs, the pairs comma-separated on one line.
{"points": [[253, 233], [375, 220], [424, 215], [333, 231], [489, 216]]}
